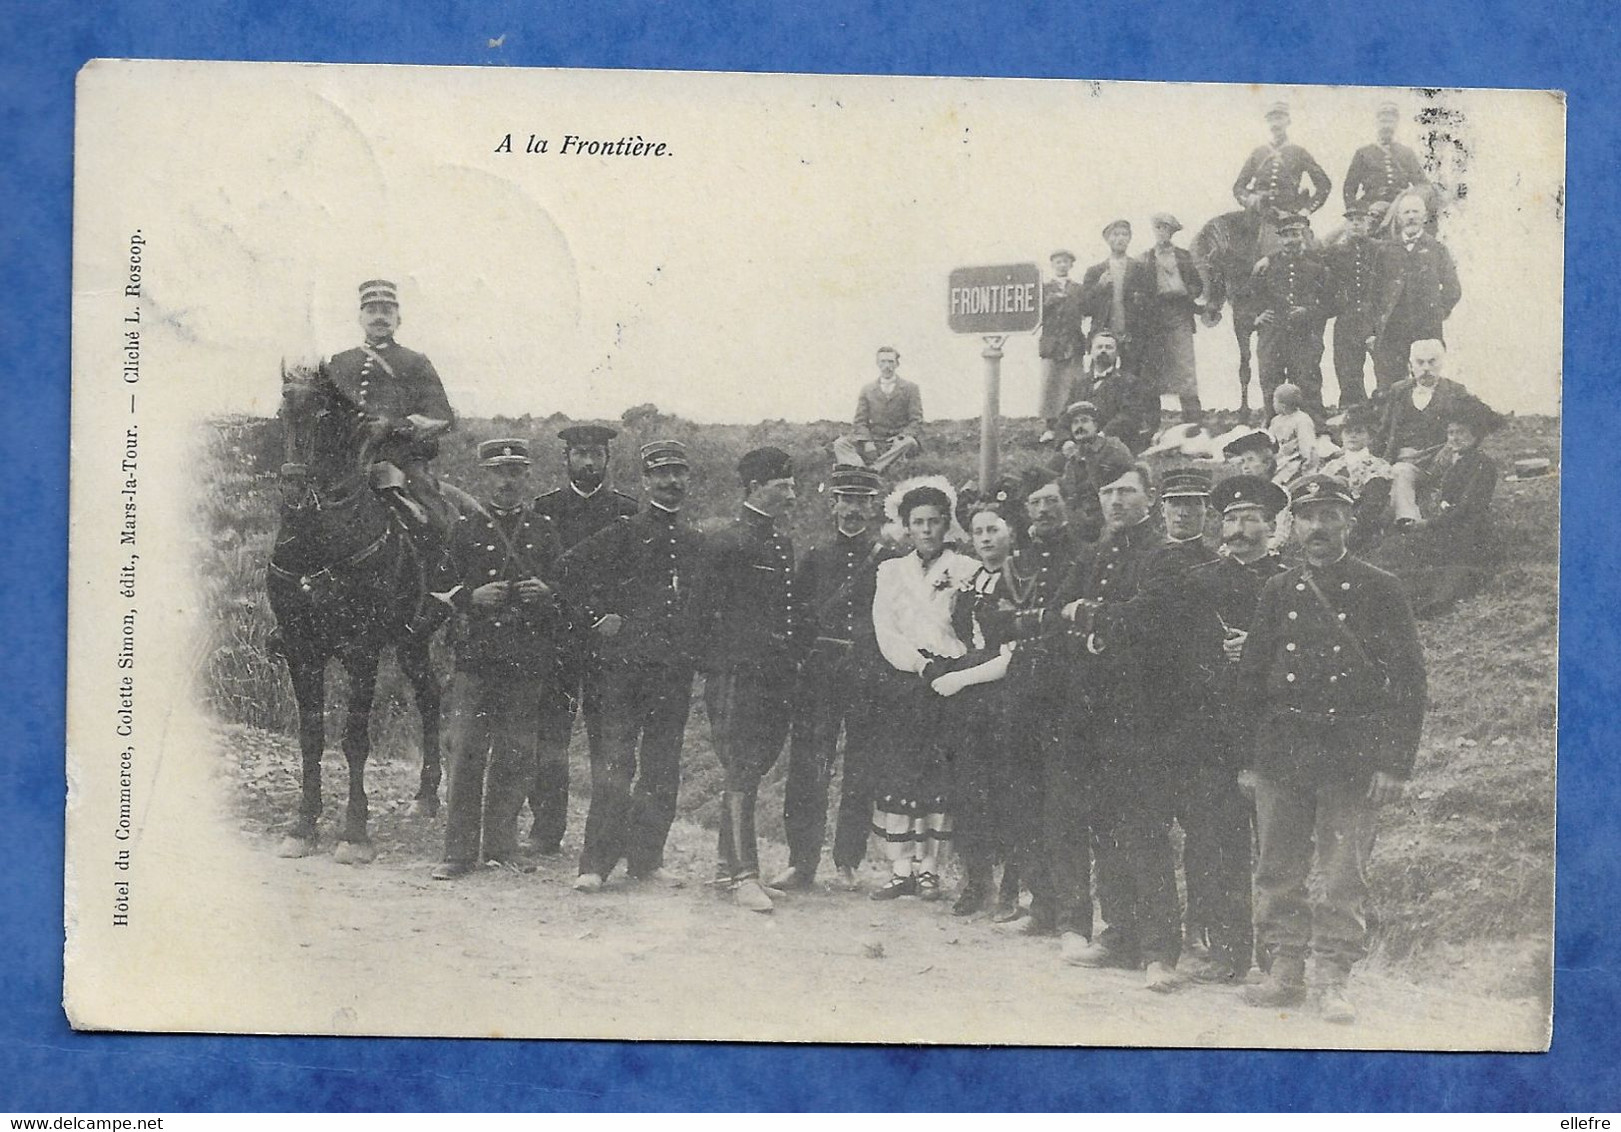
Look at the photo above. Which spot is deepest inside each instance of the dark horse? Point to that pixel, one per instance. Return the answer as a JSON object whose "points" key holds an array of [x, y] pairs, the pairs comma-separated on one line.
{"points": [[1225, 251], [345, 580]]}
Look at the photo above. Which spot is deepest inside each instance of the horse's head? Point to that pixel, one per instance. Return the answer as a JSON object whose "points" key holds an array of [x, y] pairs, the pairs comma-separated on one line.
{"points": [[327, 440]]}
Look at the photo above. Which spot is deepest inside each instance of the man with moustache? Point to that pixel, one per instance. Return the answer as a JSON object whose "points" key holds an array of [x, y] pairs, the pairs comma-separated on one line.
{"points": [[400, 391], [1218, 600], [1358, 268], [1269, 184], [1421, 290], [836, 581], [1293, 292], [1127, 405], [1417, 408], [578, 510], [1107, 783], [629, 585], [1334, 676], [508, 629], [1083, 454], [1384, 169], [1063, 340], [749, 610]]}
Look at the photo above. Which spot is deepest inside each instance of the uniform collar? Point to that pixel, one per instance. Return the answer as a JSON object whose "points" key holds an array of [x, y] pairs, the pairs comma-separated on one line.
{"points": [[661, 513], [754, 517], [506, 514], [863, 535], [381, 343], [593, 493]]}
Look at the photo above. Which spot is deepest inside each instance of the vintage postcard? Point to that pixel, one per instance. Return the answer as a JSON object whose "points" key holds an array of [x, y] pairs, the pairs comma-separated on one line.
{"points": [[813, 558]]}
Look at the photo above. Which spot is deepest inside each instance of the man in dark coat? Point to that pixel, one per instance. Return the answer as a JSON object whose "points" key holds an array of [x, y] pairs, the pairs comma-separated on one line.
{"points": [[1421, 291], [498, 578], [1076, 468], [1127, 403], [1358, 275], [749, 610], [1384, 169], [1269, 184], [1217, 601], [1168, 324], [1334, 667], [836, 580], [1117, 291], [578, 510], [888, 418], [1417, 407], [629, 584], [401, 392], [1063, 340], [1293, 294]]}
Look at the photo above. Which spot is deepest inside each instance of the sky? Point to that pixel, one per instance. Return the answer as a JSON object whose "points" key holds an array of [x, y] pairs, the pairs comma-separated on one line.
{"points": [[794, 225]]}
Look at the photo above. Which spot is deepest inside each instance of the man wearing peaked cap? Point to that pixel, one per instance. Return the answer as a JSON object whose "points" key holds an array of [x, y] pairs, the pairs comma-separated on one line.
{"points": [[1334, 674], [401, 391], [498, 575], [1270, 181], [578, 509], [629, 586], [835, 580], [1077, 468], [1063, 339], [750, 610], [1358, 270], [1241, 491], [1381, 170], [1293, 294]]}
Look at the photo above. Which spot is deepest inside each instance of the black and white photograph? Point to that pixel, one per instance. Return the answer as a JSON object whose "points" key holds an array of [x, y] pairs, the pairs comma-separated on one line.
{"points": [[806, 558]]}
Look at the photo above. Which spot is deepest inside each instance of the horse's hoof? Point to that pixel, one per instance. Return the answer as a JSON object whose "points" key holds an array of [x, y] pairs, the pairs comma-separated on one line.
{"points": [[294, 846], [427, 807], [354, 853]]}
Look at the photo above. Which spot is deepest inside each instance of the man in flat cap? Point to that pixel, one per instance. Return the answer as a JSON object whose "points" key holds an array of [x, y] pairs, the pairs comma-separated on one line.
{"points": [[1421, 291], [1116, 291], [751, 614], [1168, 324], [1087, 450], [1218, 600], [888, 418], [1063, 340], [630, 586], [1382, 170], [498, 576], [1293, 295], [400, 391], [1269, 184], [836, 580], [1335, 674], [1359, 269], [578, 509]]}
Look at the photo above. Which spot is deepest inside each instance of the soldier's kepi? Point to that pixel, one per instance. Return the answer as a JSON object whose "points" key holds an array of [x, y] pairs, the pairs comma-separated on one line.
{"points": [[399, 391]]}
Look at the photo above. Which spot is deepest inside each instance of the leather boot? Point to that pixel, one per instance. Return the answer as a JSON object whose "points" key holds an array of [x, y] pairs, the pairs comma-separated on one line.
{"points": [[726, 847], [976, 889], [1284, 985], [1007, 896]]}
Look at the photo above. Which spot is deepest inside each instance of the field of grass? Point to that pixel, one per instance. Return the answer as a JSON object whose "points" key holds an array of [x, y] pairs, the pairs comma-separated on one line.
{"points": [[1463, 874]]}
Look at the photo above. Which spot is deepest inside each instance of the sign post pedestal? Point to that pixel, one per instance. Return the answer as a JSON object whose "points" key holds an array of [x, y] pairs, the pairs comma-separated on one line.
{"points": [[993, 302]]}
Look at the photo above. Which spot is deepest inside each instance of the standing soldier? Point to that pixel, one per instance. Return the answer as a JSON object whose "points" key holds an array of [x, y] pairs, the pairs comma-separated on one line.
{"points": [[1269, 182], [629, 585], [1294, 300], [748, 608], [1357, 275], [401, 391], [1422, 290], [1381, 171], [1063, 340], [1334, 665], [1218, 603], [836, 581], [508, 632], [578, 510]]}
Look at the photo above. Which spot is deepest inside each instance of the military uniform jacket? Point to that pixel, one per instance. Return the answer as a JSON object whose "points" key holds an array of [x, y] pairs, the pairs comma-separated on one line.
{"points": [[1078, 480], [1032, 583], [1218, 595], [1295, 279], [1104, 649], [836, 581], [1423, 287], [1381, 172], [1359, 272], [1063, 334], [1158, 626], [514, 637], [749, 604], [1276, 171], [643, 568], [578, 517], [363, 376], [1339, 689]]}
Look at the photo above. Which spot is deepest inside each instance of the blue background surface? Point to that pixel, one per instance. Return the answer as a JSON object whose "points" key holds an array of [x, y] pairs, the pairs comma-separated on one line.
{"points": [[44, 1066]]}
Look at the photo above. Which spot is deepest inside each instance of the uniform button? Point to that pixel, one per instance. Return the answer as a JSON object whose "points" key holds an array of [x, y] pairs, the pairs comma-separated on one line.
{"points": [[497, 624], [1290, 677], [1333, 679], [1291, 646], [491, 546], [492, 573], [1336, 648], [1300, 586], [1345, 585], [1293, 615], [1341, 616]]}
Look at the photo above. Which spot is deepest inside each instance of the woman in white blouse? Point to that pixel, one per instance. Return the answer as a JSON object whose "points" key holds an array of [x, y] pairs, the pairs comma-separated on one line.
{"points": [[922, 615]]}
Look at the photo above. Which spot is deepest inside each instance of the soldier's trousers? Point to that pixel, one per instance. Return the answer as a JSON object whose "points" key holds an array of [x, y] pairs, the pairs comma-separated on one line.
{"points": [[1333, 824], [1292, 353], [1351, 360], [493, 724], [1131, 837], [1216, 859], [637, 774], [832, 698], [569, 695], [750, 711], [1061, 880]]}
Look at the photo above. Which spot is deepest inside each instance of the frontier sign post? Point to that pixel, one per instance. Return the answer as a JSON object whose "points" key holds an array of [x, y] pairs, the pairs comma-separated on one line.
{"points": [[993, 302]]}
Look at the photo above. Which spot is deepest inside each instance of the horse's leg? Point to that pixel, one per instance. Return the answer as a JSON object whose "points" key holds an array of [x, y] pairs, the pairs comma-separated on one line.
{"points": [[412, 653], [309, 679], [354, 843], [1243, 327]]}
